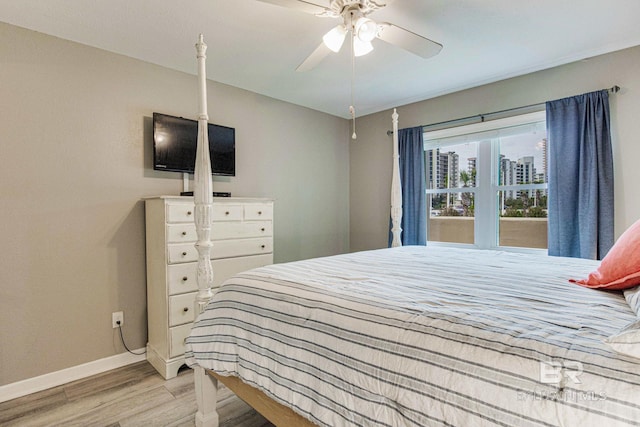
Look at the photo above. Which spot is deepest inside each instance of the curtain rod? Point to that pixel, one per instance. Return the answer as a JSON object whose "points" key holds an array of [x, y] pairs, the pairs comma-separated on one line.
{"points": [[483, 117]]}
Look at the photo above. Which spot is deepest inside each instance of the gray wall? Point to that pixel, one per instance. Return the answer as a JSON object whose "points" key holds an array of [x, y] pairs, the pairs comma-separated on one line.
{"points": [[370, 157], [75, 147]]}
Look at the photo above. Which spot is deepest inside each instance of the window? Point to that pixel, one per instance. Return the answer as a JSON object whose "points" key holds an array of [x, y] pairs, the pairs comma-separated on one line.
{"points": [[487, 183]]}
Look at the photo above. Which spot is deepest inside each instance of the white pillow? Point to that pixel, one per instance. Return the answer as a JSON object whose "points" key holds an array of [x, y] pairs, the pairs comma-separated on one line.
{"points": [[627, 341], [632, 296]]}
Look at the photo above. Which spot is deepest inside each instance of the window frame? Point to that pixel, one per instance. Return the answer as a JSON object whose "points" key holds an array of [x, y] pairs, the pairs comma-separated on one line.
{"points": [[486, 212]]}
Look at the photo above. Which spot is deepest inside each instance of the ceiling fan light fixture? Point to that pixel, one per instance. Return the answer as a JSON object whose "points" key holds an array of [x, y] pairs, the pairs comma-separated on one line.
{"points": [[335, 38], [366, 29], [360, 47]]}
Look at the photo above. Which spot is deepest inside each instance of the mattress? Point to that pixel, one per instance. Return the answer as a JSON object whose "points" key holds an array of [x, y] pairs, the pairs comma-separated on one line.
{"points": [[425, 336]]}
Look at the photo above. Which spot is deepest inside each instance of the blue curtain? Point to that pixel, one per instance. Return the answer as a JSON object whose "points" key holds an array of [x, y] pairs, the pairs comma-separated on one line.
{"points": [[580, 201], [413, 180]]}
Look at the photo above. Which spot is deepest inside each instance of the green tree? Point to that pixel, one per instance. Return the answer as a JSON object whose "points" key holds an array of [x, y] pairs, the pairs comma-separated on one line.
{"points": [[536, 212], [467, 199], [450, 211]]}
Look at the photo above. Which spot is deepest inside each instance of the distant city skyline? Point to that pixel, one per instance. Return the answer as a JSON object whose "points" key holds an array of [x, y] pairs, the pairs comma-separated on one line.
{"points": [[512, 147]]}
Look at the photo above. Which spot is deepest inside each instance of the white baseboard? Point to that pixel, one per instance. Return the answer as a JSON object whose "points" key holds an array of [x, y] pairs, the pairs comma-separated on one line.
{"points": [[54, 379]]}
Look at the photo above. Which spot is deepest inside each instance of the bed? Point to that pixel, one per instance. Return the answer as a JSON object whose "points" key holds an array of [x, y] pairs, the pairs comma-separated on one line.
{"points": [[420, 336], [413, 336]]}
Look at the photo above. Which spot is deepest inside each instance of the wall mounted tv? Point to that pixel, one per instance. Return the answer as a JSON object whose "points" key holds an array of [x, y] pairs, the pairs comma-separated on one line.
{"points": [[175, 140]]}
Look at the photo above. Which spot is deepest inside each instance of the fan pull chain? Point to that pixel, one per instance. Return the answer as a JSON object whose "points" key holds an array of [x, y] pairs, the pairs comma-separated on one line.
{"points": [[353, 117], [352, 109]]}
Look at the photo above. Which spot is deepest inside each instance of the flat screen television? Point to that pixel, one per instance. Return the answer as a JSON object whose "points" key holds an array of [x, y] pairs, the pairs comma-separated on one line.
{"points": [[175, 140]]}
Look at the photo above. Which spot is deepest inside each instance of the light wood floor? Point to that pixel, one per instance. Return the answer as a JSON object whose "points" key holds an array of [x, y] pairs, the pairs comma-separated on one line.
{"points": [[135, 395]]}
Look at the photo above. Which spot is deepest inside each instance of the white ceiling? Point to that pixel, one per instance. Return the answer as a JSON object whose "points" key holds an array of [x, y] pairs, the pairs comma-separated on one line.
{"points": [[257, 46]]}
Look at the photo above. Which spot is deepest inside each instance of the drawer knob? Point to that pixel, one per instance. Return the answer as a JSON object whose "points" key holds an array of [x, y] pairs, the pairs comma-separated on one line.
{"points": [[262, 229], [188, 212], [259, 212], [227, 213], [262, 246], [185, 278], [184, 254], [185, 309], [184, 233]]}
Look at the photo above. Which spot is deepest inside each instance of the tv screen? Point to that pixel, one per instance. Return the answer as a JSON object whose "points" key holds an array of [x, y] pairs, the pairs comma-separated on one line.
{"points": [[175, 140]]}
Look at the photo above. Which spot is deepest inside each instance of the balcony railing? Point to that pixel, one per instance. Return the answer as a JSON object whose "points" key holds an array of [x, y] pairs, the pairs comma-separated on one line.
{"points": [[517, 232]]}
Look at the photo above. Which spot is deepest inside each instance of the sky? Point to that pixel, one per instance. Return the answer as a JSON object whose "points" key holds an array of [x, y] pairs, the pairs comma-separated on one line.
{"points": [[513, 147]]}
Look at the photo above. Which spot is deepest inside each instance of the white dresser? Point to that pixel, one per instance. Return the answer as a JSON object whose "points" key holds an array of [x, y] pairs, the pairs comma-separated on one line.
{"points": [[242, 234]]}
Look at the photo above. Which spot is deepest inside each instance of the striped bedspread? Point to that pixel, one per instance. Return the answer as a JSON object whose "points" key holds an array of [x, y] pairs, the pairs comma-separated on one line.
{"points": [[425, 336]]}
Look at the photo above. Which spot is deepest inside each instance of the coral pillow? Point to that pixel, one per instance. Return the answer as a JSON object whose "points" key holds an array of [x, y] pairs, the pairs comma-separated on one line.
{"points": [[620, 268]]}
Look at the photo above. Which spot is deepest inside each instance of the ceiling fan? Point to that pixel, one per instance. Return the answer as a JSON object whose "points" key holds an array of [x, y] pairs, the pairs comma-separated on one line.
{"points": [[363, 29]]}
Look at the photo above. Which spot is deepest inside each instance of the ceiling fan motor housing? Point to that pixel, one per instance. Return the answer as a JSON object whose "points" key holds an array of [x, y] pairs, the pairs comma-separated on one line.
{"points": [[339, 7]]}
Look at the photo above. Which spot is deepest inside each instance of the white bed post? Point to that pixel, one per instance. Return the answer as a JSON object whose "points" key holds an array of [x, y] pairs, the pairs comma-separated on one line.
{"points": [[396, 188], [206, 386]]}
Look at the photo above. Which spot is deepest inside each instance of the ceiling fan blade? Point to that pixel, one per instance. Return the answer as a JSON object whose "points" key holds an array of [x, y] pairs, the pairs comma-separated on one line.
{"points": [[407, 40], [315, 58], [300, 5]]}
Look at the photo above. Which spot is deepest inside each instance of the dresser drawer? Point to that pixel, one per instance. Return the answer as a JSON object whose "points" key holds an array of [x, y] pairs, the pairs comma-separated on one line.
{"points": [[182, 278], [241, 230], [185, 212], [180, 212], [181, 308], [220, 230], [258, 211], [182, 252], [186, 252], [241, 247], [227, 212], [177, 233], [177, 337]]}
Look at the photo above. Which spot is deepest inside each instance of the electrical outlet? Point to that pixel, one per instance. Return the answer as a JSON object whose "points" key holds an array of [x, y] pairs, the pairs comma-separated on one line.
{"points": [[116, 317]]}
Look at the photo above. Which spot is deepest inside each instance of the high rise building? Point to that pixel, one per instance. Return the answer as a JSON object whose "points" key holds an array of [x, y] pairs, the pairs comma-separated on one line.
{"points": [[443, 169], [515, 173], [471, 170], [526, 172]]}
